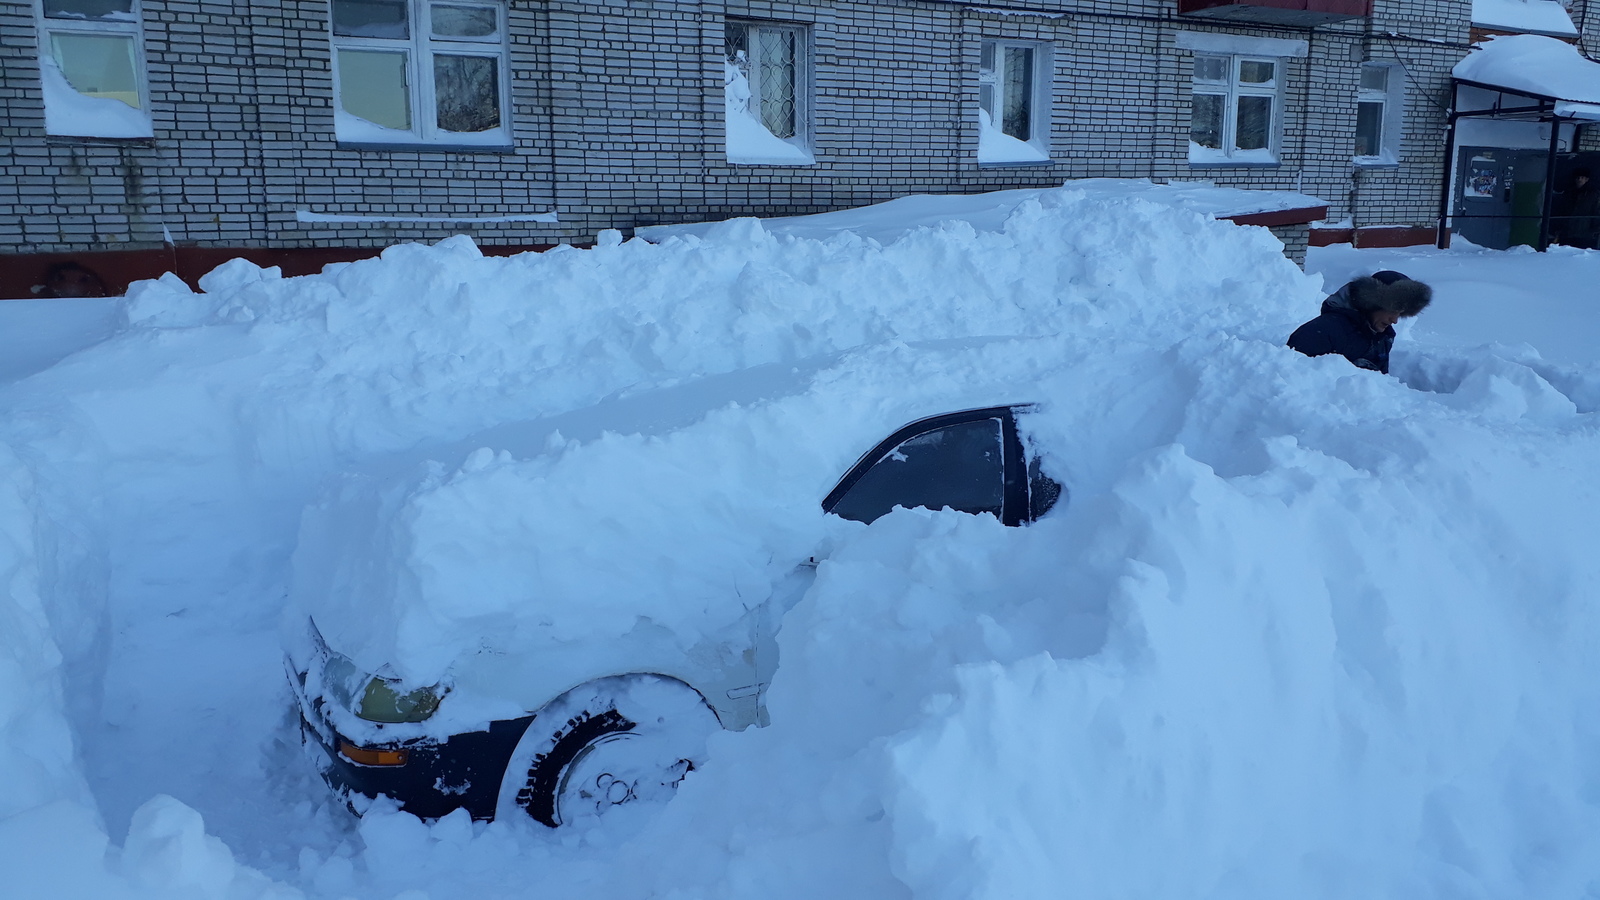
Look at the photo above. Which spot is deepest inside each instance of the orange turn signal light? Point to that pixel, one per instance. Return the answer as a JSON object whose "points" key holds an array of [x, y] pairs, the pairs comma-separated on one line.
{"points": [[366, 757]]}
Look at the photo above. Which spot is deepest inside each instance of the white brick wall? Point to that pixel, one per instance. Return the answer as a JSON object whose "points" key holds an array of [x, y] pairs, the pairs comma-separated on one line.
{"points": [[617, 117]]}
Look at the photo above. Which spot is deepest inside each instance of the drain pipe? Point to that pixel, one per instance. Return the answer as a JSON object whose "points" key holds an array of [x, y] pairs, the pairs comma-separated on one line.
{"points": [[1549, 182], [1446, 178]]}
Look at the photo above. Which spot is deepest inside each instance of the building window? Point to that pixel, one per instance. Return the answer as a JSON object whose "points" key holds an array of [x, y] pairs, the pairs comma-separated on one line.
{"points": [[91, 68], [1234, 117], [1379, 108], [1013, 103], [766, 92], [420, 71]]}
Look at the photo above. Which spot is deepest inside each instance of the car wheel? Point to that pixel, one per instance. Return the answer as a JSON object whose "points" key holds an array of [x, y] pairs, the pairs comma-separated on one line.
{"points": [[612, 742]]}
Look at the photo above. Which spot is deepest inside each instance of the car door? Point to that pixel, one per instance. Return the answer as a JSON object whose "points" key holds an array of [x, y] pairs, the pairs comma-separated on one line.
{"points": [[973, 461]]}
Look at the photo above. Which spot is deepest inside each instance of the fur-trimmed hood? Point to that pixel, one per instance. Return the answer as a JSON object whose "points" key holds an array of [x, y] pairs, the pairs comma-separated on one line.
{"points": [[1401, 295]]}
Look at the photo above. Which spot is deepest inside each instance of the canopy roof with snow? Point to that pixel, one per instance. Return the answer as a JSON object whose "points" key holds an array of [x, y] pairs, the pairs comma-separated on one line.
{"points": [[1525, 16], [1538, 67]]}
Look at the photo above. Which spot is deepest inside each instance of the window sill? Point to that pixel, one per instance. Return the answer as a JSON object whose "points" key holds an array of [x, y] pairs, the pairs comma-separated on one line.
{"points": [[91, 139], [1014, 163], [1374, 162], [1229, 164], [424, 147], [773, 163]]}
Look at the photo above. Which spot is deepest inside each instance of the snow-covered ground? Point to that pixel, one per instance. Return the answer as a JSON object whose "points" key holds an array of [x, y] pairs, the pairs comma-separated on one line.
{"points": [[1301, 630]]}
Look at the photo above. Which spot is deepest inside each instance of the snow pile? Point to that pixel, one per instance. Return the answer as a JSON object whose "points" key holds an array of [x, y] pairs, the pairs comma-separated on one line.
{"points": [[1472, 334], [891, 220], [1538, 65], [1540, 16], [1302, 630], [1281, 644], [487, 557]]}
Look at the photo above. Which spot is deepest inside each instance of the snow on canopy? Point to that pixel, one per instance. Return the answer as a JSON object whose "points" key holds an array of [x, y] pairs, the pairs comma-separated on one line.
{"points": [[1533, 16], [1535, 65]]}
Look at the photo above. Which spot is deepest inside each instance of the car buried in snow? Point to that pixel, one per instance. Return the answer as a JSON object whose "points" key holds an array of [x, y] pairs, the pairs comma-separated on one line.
{"points": [[572, 729]]}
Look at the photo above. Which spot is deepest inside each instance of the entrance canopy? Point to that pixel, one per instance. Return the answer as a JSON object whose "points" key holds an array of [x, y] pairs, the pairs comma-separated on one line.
{"points": [[1538, 68], [1522, 17], [1518, 78]]}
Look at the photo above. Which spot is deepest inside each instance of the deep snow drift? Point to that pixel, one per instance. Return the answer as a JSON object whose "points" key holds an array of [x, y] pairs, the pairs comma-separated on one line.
{"points": [[1302, 630]]}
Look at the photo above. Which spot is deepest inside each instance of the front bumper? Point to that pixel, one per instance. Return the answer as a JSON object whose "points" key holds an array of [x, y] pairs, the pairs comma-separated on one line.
{"points": [[437, 778]]}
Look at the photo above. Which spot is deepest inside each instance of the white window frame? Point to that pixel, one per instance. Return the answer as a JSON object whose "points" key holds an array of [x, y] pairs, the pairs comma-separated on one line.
{"points": [[738, 146], [996, 146], [1392, 120], [419, 50], [1232, 88], [81, 119]]}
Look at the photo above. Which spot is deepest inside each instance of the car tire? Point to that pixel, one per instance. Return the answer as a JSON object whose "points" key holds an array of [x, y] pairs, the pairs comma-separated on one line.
{"points": [[605, 744]]}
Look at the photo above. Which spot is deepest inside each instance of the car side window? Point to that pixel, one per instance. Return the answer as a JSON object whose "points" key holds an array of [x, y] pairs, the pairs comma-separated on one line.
{"points": [[960, 466], [1043, 491]]}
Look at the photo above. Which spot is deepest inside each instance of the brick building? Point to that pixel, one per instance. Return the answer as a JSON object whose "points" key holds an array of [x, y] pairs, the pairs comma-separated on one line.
{"points": [[171, 133]]}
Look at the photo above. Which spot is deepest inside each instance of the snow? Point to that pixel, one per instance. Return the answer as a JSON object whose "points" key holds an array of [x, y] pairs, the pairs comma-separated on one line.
{"points": [[747, 140], [1300, 629], [1586, 111], [1539, 16], [1483, 284], [36, 334], [997, 147], [67, 112], [1201, 155], [1240, 44], [350, 127], [301, 215], [1533, 64], [893, 219]]}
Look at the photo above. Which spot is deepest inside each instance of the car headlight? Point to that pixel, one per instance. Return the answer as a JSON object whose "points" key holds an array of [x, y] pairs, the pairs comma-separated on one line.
{"points": [[376, 698], [383, 702]]}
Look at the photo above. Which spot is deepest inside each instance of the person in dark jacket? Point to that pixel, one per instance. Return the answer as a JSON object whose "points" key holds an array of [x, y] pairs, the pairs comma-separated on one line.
{"points": [[1357, 320], [1577, 213]]}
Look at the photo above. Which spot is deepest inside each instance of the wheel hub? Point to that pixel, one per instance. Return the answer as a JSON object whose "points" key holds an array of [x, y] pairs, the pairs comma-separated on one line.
{"points": [[614, 770]]}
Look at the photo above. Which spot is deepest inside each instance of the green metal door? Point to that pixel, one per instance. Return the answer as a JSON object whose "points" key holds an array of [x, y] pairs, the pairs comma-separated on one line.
{"points": [[1527, 203]]}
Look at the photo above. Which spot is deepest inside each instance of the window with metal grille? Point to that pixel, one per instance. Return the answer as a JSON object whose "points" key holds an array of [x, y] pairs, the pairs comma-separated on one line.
{"points": [[420, 71], [766, 88]]}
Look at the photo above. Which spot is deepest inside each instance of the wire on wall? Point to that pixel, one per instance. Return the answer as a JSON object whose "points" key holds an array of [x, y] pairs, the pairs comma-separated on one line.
{"points": [[1405, 66]]}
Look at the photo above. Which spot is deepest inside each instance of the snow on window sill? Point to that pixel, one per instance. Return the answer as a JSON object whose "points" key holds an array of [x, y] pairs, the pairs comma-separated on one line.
{"points": [[113, 16], [359, 133], [417, 145], [1210, 157], [748, 142], [308, 217], [81, 139], [68, 113], [996, 148], [807, 160], [751, 144], [1013, 164], [1386, 161]]}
